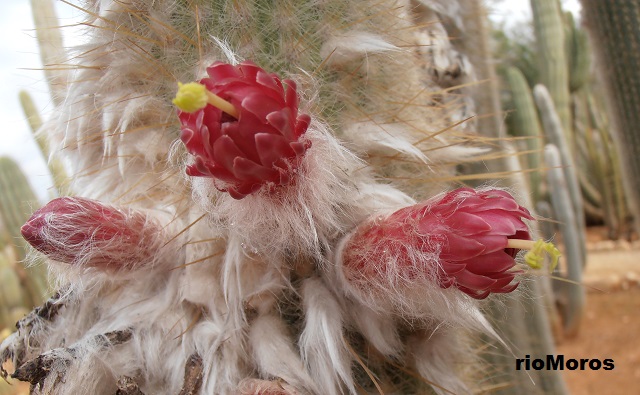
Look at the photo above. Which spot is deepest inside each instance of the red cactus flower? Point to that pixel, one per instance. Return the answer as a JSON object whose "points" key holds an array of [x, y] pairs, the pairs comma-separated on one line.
{"points": [[460, 239], [86, 232], [242, 126]]}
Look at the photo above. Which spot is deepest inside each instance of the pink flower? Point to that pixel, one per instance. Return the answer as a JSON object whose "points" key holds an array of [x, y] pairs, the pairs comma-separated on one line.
{"points": [[459, 239], [86, 232], [263, 145]]}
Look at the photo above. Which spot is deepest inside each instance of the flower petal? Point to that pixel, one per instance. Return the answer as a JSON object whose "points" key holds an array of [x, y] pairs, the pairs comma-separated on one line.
{"points": [[247, 170], [467, 224], [226, 151], [474, 281], [495, 262], [272, 147], [460, 248]]}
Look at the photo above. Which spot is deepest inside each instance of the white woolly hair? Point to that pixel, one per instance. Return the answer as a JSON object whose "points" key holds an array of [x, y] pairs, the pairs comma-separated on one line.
{"points": [[418, 299], [300, 218]]}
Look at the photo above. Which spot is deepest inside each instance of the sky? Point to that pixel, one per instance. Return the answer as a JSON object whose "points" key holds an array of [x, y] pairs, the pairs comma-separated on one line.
{"points": [[19, 61], [19, 64]]}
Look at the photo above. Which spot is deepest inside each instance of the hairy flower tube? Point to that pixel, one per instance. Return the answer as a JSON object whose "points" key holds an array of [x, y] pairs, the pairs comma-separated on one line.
{"points": [[243, 127], [461, 239], [85, 232]]}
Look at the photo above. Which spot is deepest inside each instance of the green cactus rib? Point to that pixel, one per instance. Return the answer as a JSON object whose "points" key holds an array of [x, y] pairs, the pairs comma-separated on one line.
{"points": [[58, 172], [549, 30], [525, 123], [615, 32], [565, 212]]}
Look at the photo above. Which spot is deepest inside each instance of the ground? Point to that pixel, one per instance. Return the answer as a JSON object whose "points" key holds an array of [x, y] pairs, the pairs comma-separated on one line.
{"points": [[611, 322], [609, 330]]}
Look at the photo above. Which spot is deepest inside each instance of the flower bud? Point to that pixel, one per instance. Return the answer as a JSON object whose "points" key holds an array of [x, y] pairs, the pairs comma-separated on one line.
{"points": [[459, 239], [81, 231]]}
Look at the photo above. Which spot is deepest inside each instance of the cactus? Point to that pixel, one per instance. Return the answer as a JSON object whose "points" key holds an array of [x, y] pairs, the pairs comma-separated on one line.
{"points": [[572, 297], [525, 123], [11, 294], [17, 200], [578, 54], [554, 132], [51, 47], [58, 172], [615, 35], [554, 73]]}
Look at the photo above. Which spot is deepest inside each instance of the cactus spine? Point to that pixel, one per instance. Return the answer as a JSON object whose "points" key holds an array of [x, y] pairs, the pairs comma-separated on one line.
{"points": [[615, 35]]}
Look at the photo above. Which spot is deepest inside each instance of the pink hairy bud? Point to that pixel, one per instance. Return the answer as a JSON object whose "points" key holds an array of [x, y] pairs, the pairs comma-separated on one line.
{"points": [[248, 133], [460, 239], [85, 232]]}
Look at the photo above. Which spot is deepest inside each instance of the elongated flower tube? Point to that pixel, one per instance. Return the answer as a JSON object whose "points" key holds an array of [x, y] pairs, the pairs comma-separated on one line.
{"points": [[461, 239], [243, 127], [81, 231]]}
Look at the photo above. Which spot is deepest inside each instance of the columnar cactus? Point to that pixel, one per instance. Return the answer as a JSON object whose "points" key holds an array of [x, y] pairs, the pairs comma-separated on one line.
{"points": [[525, 123], [17, 201], [58, 172], [13, 303], [218, 244], [615, 36], [572, 299], [553, 66], [556, 135]]}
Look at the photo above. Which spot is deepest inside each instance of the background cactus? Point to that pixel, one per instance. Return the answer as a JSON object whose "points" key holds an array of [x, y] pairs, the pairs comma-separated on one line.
{"points": [[556, 136], [552, 57], [525, 123], [615, 36], [571, 295], [13, 305], [58, 172], [17, 200]]}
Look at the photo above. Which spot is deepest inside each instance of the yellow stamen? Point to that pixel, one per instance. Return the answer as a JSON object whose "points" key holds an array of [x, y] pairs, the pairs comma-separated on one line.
{"points": [[535, 257], [194, 96]]}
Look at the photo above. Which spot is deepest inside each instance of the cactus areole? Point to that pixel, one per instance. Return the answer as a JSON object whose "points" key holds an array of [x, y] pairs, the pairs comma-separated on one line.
{"points": [[243, 128]]}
